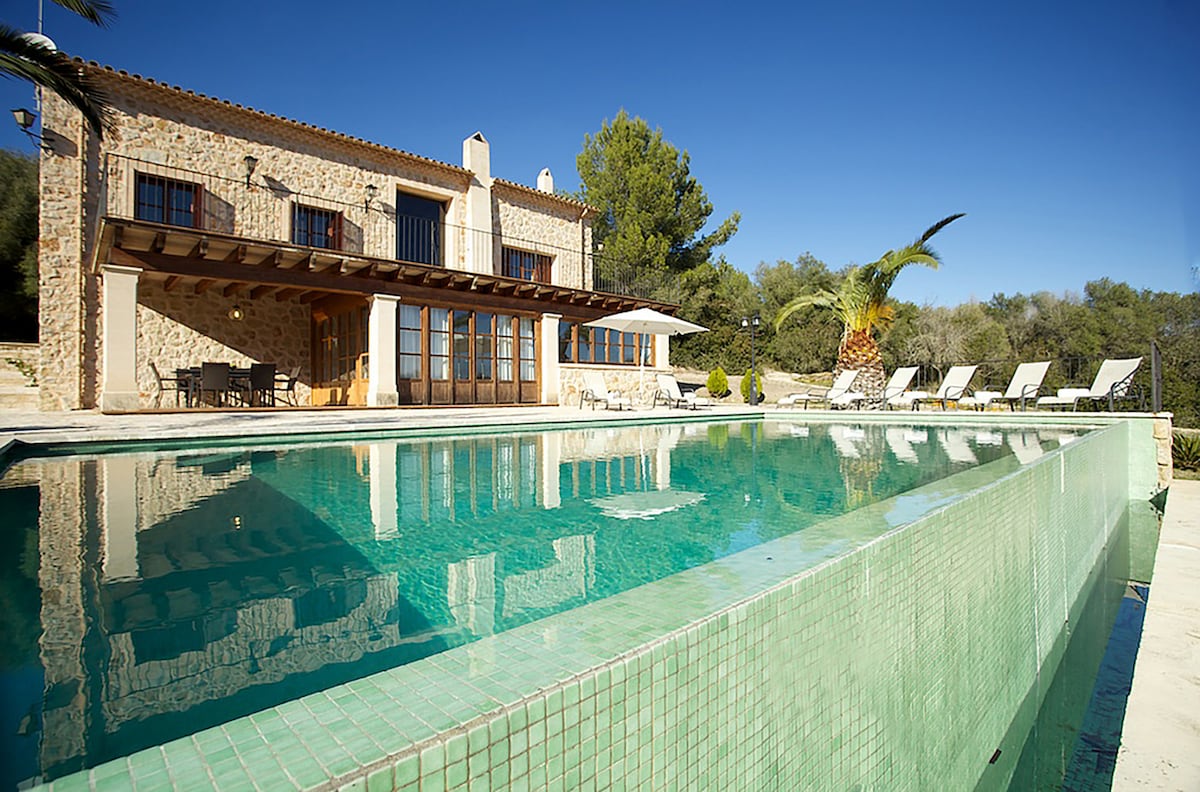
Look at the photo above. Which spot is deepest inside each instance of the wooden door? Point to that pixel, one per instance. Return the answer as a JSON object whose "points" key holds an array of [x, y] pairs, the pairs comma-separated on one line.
{"points": [[506, 360], [441, 387]]}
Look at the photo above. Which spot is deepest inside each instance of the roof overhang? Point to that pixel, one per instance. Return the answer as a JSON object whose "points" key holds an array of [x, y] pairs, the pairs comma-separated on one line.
{"points": [[185, 258]]}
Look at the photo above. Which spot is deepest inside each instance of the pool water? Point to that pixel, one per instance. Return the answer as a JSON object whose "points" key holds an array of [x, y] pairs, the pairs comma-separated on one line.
{"points": [[147, 596]]}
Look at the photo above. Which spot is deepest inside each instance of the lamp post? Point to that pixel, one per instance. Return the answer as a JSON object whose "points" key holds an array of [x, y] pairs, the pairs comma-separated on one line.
{"points": [[752, 323]]}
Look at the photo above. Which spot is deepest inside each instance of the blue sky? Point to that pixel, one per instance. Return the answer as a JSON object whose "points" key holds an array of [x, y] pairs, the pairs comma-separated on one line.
{"points": [[1066, 131]]}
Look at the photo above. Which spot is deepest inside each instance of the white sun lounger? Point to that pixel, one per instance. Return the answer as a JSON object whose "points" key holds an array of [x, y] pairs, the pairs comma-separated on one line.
{"points": [[953, 388], [596, 391], [670, 394], [1026, 381], [1113, 381], [898, 384], [839, 394]]}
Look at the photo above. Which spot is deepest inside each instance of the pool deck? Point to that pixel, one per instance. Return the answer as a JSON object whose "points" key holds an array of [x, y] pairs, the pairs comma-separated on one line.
{"points": [[1161, 735], [1160, 741]]}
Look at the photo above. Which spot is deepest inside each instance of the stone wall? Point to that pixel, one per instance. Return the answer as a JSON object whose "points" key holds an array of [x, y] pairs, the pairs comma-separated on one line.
{"points": [[179, 329], [60, 254], [634, 384], [528, 220]]}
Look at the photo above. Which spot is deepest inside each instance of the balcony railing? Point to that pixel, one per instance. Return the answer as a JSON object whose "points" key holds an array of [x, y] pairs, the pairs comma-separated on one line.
{"points": [[264, 209]]}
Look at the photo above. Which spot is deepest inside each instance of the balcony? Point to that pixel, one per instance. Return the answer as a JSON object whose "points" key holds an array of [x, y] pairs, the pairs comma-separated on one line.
{"points": [[266, 213]]}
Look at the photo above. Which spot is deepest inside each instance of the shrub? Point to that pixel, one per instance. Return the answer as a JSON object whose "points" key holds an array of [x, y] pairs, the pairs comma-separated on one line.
{"points": [[718, 383], [1185, 449], [747, 378]]}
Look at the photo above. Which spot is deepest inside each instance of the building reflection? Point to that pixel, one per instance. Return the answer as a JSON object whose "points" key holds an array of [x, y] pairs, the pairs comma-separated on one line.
{"points": [[178, 592]]}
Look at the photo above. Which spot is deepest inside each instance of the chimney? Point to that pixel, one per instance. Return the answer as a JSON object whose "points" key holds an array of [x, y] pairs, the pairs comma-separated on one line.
{"points": [[545, 181], [478, 242], [477, 158]]}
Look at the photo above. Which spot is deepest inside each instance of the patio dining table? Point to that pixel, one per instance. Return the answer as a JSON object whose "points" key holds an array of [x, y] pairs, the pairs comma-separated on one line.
{"points": [[190, 380]]}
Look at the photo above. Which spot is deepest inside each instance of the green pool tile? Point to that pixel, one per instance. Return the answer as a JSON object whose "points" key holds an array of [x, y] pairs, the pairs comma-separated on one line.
{"points": [[338, 763], [477, 739], [432, 758], [456, 774], [230, 774], [192, 781], [357, 785], [478, 765], [435, 782], [112, 783], [456, 748], [307, 771]]}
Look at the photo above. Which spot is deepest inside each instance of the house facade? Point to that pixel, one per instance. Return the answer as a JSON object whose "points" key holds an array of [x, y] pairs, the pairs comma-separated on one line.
{"points": [[199, 230]]}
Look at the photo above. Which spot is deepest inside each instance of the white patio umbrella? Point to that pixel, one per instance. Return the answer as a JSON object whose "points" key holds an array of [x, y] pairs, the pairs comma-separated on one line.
{"points": [[646, 320]]}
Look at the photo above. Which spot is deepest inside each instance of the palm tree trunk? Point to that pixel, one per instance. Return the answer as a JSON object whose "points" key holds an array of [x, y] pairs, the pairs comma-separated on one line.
{"points": [[859, 350]]}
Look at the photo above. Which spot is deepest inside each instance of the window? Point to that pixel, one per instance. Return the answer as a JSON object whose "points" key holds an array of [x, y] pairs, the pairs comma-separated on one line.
{"points": [[504, 348], [528, 362], [524, 265], [566, 342], [462, 346], [162, 200], [484, 340], [599, 342], [580, 344], [341, 339], [418, 230], [410, 342], [321, 228], [439, 344]]}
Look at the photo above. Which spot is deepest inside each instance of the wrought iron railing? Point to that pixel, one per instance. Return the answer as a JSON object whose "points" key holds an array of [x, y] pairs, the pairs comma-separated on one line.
{"points": [[262, 208]]}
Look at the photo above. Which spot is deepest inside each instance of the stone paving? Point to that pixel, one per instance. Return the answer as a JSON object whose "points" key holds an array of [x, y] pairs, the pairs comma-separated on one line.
{"points": [[1160, 742]]}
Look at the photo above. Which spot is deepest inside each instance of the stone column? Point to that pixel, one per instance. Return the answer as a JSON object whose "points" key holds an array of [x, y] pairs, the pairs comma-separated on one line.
{"points": [[118, 379], [381, 352], [662, 351], [549, 358]]}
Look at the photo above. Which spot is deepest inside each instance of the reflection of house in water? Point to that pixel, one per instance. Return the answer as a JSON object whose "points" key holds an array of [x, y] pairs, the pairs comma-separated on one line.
{"points": [[201, 611], [230, 582]]}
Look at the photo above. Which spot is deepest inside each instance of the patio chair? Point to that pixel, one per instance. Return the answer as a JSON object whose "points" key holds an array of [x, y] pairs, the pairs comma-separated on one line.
{"points": [[287, 387], [595, 391], [214, 379], [670, 394], [259, 388], [953, 387], [839, 394], [1024, 386], [897, 385], [1114, 381], [176, 383]]}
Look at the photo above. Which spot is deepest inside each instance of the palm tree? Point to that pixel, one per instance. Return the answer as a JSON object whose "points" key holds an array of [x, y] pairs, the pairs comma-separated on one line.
{"points": [[860, 301], [31, 58]]}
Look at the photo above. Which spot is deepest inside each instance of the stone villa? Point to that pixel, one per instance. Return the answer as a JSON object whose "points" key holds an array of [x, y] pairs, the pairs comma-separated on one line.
{"points": [[201, 230]]}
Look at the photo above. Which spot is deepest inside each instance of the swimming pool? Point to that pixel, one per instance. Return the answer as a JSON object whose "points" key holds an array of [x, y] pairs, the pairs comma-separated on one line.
{"points": [[215, 584]]}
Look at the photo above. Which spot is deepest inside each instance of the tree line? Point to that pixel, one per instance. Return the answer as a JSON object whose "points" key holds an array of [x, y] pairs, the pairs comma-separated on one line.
{"points": [[1108, 320]]}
